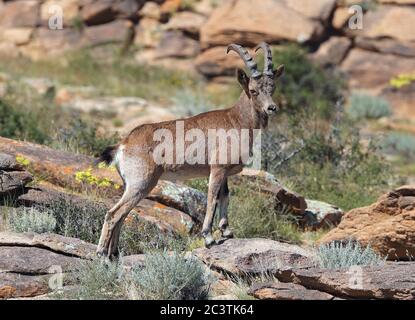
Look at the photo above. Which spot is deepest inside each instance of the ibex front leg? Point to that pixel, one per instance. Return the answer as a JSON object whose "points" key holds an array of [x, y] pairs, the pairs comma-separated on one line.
{"points": [[223, 211], [216, 179]]}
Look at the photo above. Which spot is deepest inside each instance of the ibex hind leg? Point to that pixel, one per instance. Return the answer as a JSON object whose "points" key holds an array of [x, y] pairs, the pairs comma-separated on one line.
{"points": [[140, 176]]}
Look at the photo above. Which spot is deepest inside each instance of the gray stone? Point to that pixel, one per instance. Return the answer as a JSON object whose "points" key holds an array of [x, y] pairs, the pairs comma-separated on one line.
{"points": [[253, 256]]}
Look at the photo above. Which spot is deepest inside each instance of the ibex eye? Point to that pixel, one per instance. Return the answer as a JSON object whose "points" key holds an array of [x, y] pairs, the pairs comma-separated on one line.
{"points": [[254, 92]]}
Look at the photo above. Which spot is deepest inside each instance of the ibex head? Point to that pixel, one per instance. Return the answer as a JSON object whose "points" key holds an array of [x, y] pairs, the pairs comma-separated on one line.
{"points": [[260, 86]]}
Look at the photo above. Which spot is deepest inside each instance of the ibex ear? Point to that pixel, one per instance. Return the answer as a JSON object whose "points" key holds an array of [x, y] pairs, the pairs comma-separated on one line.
{"points": [[243, 80], [278, 71]]}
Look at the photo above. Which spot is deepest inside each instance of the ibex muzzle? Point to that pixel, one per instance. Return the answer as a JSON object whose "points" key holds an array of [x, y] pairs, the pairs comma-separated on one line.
{"points": [[135, 162]]}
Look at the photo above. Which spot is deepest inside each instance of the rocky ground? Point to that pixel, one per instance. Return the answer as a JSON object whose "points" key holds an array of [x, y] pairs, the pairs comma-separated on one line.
{"points": [[28, 260], [192, 36]]}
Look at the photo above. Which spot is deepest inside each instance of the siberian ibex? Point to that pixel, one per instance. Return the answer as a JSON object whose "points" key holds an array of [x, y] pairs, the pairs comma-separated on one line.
{"points": [[135, 161]]}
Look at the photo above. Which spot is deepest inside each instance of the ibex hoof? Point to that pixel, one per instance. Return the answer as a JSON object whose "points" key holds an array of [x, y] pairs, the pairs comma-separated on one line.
{"points": [[227, 233], [209, 241], [101, 252]]}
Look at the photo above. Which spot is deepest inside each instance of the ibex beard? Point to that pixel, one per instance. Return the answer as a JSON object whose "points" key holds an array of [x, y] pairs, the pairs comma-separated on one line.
{"points": [[188, 148]]}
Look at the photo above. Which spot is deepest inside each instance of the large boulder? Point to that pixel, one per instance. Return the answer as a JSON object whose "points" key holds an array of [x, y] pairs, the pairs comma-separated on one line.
{"points": [[19, 14], [387, 46], [373, 70], [175, 44], [388, 225], [255, 256], [215, 62], [332, 51], [246, 23], [70, 10], [120, 31], [319, 10], [186, 21], [394, 22]]}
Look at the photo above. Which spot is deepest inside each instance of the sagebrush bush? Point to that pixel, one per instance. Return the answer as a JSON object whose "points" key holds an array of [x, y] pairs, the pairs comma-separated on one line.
{"points": [[335, 255], [98, 279], [363, 106], [32, 220], [18, 124], [399, 143], [170, 276]]}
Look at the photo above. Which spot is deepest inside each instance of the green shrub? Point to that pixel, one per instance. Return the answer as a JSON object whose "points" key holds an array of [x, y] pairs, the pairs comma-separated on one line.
{"points": [[32, 220], [18, 124], [78, 220], [337, 255], [364, 107], [399, 143], [306, 88], [170, 276], [98, 279], [81, 136], [252, 214]]}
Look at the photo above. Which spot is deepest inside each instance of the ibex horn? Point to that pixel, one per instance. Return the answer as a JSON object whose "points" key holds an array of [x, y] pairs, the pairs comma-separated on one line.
{"points": [[268, 66], [249, 62]]}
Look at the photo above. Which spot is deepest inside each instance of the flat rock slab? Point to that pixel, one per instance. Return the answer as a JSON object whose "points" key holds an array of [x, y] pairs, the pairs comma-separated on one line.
{"points": [[34, 261], [286, 291], [13, 285], [393, 280], [253, 256], [57, 243]]}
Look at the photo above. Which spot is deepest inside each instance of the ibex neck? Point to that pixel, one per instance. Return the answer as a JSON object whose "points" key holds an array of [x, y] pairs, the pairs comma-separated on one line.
{"points": [[249, 116]]}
